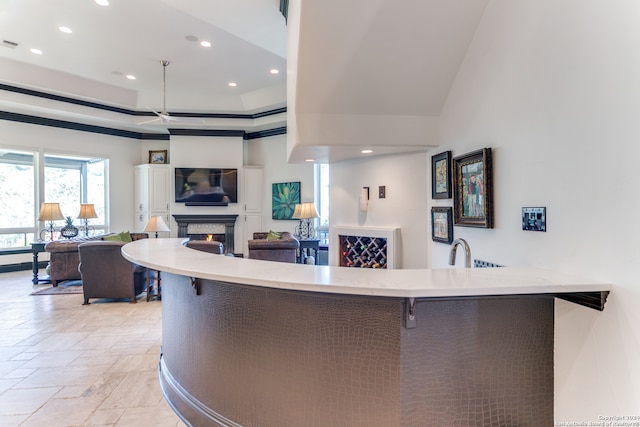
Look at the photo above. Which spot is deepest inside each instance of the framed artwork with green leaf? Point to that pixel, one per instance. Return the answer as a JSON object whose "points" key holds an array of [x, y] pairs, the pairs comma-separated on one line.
{"points": [[285, 197]]}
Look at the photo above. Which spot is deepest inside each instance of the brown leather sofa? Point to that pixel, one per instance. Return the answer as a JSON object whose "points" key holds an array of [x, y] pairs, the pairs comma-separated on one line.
{"points": [[106, 273], [64, 258], [284, 249]]}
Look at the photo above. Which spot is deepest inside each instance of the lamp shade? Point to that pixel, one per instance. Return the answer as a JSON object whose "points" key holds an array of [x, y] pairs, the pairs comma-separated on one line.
{"points": [[87, 211], [50, 212], [296, 211], [155, 224], [307, 210]]}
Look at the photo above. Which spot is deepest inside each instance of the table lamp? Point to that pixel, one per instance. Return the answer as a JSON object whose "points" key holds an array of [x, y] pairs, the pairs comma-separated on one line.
{"points": [[156, 224], [87, 211], [50, 212], [305, 212]]}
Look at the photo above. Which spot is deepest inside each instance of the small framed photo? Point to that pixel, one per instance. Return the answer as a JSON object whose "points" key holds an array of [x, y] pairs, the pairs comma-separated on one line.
{"points": [[441, 176], [441, 224], [473, 189], [158, 156], [534, 219]]}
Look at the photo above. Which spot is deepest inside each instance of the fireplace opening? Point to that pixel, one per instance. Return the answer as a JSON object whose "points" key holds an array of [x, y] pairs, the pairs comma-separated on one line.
{"points": [[217, 237], [198, 227]]}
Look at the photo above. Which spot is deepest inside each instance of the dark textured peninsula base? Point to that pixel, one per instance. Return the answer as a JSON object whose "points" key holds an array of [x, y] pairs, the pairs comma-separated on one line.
{"points": [[247, 356]]}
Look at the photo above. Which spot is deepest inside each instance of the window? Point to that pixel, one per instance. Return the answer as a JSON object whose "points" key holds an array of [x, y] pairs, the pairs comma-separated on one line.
{"points": [[68, 180], [71, 181], [17, 192], [322, 190]]}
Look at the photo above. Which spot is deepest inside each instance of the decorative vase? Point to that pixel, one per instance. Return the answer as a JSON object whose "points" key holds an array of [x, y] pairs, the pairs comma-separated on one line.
{"points": [[69, 230]]}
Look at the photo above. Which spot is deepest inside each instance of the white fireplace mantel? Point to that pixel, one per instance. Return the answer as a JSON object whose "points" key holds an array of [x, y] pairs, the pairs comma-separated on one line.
{"points": [[391, 234]]}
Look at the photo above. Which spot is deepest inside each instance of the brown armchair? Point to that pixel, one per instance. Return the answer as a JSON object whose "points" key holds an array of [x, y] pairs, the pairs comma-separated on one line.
{"points": [[284, 249], [107, 274]]}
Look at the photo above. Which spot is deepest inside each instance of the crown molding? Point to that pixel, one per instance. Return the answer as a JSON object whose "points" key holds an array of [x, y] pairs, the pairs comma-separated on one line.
{"points": [[82, 127], [140, 135]]}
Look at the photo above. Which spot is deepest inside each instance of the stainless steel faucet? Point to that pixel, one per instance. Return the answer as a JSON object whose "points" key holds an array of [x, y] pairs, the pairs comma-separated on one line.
{"points": [[467, 252]]}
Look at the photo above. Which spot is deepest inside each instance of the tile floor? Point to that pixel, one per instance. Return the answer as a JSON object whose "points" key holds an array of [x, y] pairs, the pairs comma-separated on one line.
{"points": [[65, 364]]}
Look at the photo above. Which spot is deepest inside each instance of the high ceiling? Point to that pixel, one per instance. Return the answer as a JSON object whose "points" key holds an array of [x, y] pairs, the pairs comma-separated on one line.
{"points": [[248, 39], [361, 73]]}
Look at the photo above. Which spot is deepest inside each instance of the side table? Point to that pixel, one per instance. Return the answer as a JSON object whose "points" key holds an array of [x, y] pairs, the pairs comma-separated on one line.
{"points": [[36, 248], [306, 246], [153, 276]]}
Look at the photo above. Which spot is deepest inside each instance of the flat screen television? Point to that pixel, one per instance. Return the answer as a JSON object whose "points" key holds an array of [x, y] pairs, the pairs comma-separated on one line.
{"points": [[206, 186]]}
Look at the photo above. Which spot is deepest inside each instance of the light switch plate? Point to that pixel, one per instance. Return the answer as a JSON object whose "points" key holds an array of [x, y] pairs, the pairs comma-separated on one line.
{"points": [[382, 192]]}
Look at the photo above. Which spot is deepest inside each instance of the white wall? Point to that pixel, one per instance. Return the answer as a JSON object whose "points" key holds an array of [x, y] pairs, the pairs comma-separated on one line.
{"points": [[271, 154], [554, 88], [405, 206], [122, 153], [147, 145]]}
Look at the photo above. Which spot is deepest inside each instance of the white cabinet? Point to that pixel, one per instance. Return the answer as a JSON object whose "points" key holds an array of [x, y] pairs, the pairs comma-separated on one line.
{"points": [[152, 183], [152, 193], [253, 190]]}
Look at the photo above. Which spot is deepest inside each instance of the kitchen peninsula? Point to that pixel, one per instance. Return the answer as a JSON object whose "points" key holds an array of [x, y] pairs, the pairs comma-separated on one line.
{"points": [[249, 342]]}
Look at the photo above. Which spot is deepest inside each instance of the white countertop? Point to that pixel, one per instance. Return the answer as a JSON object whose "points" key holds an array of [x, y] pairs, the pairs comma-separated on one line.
{"points": [[171, 256]]}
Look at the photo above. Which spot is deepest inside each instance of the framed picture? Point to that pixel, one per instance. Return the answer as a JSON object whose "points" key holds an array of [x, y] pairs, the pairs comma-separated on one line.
{"points": [[285, 197], [473, 189], [441, 176], [442, 224], [158, 156], [534, 219]]}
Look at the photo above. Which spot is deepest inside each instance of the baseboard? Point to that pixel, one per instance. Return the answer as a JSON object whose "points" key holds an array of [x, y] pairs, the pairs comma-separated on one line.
{"points": [[20, 266]]}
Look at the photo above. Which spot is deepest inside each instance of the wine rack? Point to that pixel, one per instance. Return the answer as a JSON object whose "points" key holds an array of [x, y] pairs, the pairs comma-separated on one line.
{"points": [[363, 252]]}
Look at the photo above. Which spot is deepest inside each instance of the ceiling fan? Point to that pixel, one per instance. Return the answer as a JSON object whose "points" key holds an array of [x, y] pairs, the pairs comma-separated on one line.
{"points": [[164, 117]]}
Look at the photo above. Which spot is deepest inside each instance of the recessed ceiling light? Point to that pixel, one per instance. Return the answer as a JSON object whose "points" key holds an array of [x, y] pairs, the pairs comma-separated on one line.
{"points": [[274, 71], [36, 51], [205, 43], [131, 77], [65, 29], [367, 151], [309, 160], [102, 2], [233, 84]]}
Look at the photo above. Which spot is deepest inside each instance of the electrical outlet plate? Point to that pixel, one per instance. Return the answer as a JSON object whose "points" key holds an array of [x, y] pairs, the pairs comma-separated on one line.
{"points": [[382, 192]]}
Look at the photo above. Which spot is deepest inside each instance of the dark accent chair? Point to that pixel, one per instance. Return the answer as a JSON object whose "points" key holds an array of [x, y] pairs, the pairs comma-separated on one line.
{"points": [[210, 246], [284, 249], [106, 273]]}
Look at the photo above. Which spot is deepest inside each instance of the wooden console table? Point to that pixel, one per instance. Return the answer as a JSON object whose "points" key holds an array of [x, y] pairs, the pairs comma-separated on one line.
{"points": [[36, 248]]}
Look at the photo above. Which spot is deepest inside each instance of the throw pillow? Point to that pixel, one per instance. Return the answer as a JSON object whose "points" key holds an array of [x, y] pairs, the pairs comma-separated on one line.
{"points": [[273, 235], [113, 238], [125, 236]]}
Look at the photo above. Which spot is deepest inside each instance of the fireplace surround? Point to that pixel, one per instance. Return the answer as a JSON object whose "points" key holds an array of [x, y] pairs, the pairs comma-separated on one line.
{"points": [[196, 227]]}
